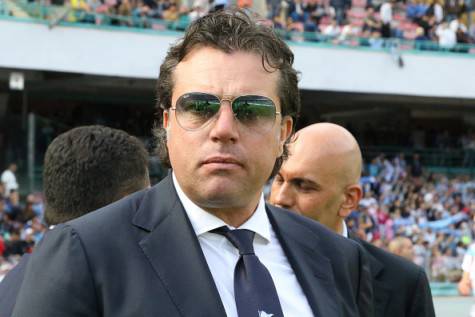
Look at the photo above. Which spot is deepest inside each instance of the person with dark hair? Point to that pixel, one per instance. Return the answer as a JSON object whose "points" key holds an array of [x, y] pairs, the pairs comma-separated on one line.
{"points": [[89, 167], [203, 242], [85, 169], [320, 180]]}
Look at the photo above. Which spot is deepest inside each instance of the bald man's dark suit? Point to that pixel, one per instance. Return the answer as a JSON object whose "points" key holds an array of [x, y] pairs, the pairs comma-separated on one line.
{"points": [[140, 257], [400, 287]]}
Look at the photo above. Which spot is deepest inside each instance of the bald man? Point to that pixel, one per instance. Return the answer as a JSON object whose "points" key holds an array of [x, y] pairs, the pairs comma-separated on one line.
{"points": [[402, 246], [320, 180]]}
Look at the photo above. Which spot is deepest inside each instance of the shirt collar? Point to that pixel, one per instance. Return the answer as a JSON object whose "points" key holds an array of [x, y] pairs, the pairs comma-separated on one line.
{"points": [[203, 221], [344, 230]]}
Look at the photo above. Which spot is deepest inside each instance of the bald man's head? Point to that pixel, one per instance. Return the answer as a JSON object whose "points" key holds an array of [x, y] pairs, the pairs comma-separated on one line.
{"points": [[320, 179], [402, 246], [331, 141]]}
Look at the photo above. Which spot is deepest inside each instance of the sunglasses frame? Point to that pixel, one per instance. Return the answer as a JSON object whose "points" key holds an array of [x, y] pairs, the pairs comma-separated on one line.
{"points": [[231, 99]]}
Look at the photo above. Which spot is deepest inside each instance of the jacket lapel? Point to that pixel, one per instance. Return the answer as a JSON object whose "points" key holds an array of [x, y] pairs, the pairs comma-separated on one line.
{"points": [[381, 292], [312, 269], [173, 249]]}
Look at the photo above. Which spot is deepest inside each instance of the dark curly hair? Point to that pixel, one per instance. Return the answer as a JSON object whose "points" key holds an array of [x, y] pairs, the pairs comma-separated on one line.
{"points": [[230, 31], [89, 167]]}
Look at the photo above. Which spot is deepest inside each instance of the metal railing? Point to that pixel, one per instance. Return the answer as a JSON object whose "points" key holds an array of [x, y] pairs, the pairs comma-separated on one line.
{"points": [[443, 160]]}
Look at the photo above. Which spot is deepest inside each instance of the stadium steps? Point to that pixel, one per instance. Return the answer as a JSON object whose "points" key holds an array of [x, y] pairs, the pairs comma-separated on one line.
{"points": [[25, 9], [15, 9]]}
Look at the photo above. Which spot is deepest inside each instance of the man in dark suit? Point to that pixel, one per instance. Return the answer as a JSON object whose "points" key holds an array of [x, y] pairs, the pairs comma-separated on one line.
{"points": [[84, 169], [203, 242], [320, 180]]}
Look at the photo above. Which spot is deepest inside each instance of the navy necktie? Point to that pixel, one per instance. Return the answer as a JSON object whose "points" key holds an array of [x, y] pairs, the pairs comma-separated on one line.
{"points": [[254, 290]]}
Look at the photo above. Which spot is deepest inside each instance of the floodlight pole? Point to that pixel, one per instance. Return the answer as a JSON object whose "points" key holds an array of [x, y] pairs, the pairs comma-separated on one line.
{"points": [[31, 150]]}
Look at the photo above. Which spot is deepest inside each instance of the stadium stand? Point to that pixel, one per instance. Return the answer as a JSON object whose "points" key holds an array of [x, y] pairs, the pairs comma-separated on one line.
{"points": [[437, 213], [401, 199], [421, 24]]}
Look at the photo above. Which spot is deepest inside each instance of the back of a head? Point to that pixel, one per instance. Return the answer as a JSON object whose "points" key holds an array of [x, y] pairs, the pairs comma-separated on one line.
{"points": [[402, 246], [89, 167]]}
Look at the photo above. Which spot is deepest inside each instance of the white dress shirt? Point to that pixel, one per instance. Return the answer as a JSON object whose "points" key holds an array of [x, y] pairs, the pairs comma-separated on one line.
{"points": [[222, 257], [344, 231]]}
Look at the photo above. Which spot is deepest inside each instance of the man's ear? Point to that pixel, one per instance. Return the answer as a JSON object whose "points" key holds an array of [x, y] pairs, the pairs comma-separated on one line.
{"points": [[165, 118], [353, 194], [285, 131]]}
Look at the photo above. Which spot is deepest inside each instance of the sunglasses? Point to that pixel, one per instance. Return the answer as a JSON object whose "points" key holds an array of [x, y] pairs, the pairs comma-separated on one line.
{"points": [[195, 110]]}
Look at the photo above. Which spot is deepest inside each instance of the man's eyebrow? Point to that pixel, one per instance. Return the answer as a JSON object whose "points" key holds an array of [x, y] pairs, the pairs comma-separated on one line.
{"points": [[303, 180]]}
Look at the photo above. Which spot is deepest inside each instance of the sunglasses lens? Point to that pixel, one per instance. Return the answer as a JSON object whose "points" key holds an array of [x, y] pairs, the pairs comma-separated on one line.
{"points": [[194, 110], [255, 112]]}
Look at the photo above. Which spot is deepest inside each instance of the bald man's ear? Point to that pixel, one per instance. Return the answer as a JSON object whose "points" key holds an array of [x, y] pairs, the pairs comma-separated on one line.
{"points": [[353, 194]]}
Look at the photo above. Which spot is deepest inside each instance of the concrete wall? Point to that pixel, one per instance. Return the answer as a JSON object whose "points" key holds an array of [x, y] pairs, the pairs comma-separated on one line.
{"points": [[131, 54]]}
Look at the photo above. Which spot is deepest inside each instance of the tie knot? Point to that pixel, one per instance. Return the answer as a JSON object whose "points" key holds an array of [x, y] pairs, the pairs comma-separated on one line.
{"points": [[242, 239]]}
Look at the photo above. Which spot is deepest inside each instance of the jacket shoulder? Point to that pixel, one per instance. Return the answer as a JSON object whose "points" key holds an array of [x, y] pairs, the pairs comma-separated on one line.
{"points": [[392, 262], [328, 237], [112, 215]]}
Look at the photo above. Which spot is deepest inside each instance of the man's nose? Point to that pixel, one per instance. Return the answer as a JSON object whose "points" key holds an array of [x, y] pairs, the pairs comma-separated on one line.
{"points": [[281, 195], [225, 127]]}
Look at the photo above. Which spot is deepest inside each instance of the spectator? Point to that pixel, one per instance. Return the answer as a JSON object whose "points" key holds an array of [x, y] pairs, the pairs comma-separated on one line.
{"points": [[296, 11], [435, 9], [447, 37], [416, 9], [386, 13], [199, 9], [332, 30], [467, 282], [171, 13], [319, 10], [454, 9], [402, 246], [125, 9], [371, 22], [8, 179], [219, 4], [340, 7], [416, 166]]}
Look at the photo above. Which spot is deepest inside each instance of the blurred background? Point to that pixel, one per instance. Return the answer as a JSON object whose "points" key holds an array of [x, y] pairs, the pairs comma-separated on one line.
{"points": [[400, 75]]}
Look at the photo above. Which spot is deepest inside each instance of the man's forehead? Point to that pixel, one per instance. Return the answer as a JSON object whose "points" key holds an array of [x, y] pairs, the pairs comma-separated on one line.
{"points": [[201, 56], [292, 169], [310, 163], [210, 70]]}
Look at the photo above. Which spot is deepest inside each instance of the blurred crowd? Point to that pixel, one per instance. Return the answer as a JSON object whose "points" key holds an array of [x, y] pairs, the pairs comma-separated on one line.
{"points": [[434, 211], [401, 200], [350, 22], [21, 221]]}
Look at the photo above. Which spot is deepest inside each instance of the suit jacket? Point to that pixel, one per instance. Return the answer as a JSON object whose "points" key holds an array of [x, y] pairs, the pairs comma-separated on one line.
{"points": [[400, 287], [10, 286], [140, 257]]}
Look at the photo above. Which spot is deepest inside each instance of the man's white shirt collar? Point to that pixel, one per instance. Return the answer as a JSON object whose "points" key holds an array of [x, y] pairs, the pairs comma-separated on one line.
{"points": [[203, 221], [345, 230]]}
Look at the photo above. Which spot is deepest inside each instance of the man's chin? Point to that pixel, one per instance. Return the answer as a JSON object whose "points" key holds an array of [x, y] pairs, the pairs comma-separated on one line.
{"points": [[218, 199], [219, 195]]}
